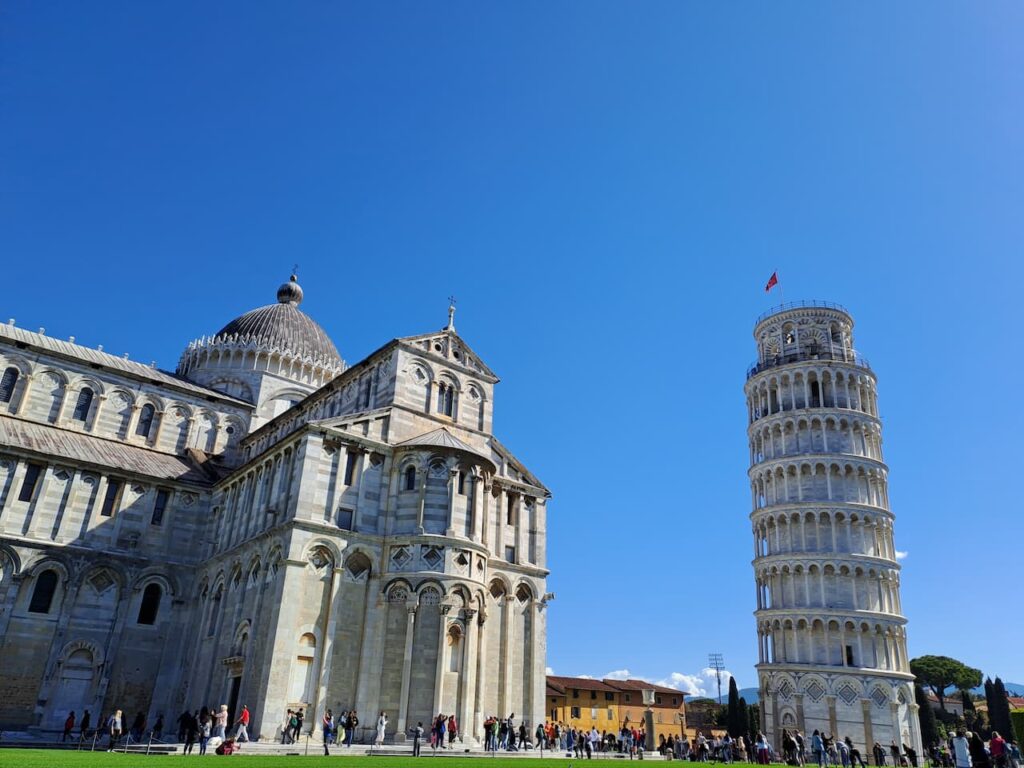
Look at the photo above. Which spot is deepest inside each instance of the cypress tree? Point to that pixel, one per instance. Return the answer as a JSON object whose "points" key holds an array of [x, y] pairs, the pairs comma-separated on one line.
{"points": [[754, 722], [929, 728], [733, 718], [999, 711]]}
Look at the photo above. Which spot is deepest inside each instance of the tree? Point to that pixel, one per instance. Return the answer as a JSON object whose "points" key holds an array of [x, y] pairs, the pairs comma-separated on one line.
{"points": [[734, 717], [967, 701], [999, 710], [754, 720], [942, 672], [929, 728]]}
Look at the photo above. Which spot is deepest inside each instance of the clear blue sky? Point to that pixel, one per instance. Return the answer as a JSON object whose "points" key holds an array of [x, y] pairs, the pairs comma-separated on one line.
{"points": [[605, 187]]}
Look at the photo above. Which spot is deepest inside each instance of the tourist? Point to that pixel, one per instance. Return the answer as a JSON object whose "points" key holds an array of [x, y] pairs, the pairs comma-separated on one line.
{"points": [[453, 731], [542, 736], [242, 724], [327, 724], [855, 755], [897, 757], [523, 743], [350, 727], [69, 725], [190, 725], [114, 725], [761, 747], [1013, 754], [182, 721], [961, 748], [83, 728], [382, 725], [220, 725], [204, 731], [878, 753], [996, 748], [911, 754], [417, 737], [844, 753], [979, 756]]}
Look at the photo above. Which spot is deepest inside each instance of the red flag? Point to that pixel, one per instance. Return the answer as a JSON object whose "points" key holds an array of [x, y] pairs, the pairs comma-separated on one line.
{"points": [[772, 282]]}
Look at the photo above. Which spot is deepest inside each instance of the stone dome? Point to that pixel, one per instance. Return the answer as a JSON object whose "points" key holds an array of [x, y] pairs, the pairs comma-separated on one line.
{"points": [[283, 327], [278, 339]]}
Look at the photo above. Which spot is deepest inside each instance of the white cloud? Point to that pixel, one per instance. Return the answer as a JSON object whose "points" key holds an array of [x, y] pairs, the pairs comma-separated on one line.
{"points": [[703, 683], [617, 674], [900, 555], [548, 671]]}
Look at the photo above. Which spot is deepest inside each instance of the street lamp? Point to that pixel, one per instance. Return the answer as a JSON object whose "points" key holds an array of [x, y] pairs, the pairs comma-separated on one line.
{"points": [[648, 694]]}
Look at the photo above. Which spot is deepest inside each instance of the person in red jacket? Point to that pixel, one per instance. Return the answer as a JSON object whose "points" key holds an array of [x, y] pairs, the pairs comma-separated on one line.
{"points": [[69, 725], [242, 732]]}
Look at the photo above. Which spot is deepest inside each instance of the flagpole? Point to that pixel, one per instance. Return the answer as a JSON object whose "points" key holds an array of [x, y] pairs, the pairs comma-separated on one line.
{"points": [[782, 290]]}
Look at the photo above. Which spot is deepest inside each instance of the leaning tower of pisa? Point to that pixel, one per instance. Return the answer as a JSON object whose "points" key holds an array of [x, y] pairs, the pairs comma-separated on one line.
{"points": [[831, 634]]}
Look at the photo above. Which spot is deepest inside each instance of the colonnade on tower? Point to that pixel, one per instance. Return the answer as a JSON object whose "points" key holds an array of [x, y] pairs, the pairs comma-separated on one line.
{"points": [[832, 651]]}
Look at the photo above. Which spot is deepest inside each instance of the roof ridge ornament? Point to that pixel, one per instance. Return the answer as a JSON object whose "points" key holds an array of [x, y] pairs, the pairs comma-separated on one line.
{"points": [[450, 328]]}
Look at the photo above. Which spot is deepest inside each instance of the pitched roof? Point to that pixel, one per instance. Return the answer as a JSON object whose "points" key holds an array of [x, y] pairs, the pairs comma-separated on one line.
{"points": [[439, 438], [75, 446], [582, 683], [560, 684], [95, 357]]}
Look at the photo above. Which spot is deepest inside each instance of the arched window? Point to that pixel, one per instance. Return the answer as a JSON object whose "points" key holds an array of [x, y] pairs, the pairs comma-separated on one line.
{"points": [[145, 420], [83, 405], [446, 399], [7, 384], [42, 595], [410, 478], [150, 604]]}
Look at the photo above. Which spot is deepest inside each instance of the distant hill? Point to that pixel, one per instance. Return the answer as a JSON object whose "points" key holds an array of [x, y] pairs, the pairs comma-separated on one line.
{"points": [[750, 694], [752, 697], [1014, 689]]}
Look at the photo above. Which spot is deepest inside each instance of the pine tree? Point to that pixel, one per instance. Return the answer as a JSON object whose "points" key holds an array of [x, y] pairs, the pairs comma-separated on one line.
{"points": [[929, 728], [989, 695]]}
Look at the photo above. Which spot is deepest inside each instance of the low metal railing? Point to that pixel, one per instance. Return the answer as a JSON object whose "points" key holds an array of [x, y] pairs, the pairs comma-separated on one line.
{"points": [[849, 356], [809, 303]]}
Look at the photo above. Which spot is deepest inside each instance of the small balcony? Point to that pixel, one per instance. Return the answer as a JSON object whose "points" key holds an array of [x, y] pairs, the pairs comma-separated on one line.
{"points": [[848, 356]]}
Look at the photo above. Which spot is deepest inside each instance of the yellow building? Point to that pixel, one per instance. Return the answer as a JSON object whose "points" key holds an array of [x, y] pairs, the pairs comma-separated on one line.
{"points": [[608, 705]]}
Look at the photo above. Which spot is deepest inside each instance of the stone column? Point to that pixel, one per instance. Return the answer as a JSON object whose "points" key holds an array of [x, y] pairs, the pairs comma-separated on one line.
{"points": [[800, 722], [330, 629], [403, 703], [522, 531], [442, 637], [869, 737], [449, 529], [361, 464], [505, 661], [35, 520], [897, 734], [833, 724], [481, 666], [478, 494], [468, 680], [421, 476]]}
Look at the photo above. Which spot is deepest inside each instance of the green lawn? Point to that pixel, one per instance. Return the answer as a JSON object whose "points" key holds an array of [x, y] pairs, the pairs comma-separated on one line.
{"points": [[55, 758]]}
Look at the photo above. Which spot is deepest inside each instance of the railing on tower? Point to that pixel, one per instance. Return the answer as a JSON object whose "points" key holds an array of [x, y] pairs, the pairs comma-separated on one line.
{"points": [[805, 304], [841, 355]]}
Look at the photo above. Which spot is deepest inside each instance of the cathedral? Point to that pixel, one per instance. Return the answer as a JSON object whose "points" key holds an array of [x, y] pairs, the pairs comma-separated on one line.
{"points": [[267, 526]]}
